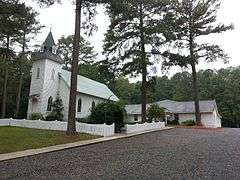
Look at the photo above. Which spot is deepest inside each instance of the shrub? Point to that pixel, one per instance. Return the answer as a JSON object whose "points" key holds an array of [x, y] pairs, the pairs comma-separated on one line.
{"points": [[174, 122], [58, 108], [83, 120], [189, 123], [108, 112], [36, 116], [154, 112], [51, 117], [132, 123]]}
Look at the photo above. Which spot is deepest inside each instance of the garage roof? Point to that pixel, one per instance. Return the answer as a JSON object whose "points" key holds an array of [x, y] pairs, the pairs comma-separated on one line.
{"points": [[176, 107]]}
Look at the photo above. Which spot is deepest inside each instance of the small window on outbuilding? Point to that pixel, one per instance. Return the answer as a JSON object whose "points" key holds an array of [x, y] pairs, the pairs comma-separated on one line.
{"points": [[38, 73], [135, 117], [49, 105], [93, 104], [79, 107]]}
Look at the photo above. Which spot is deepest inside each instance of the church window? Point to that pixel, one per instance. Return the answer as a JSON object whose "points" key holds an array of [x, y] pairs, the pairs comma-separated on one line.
{"points": [[38, 73], [49, 105], [53, 74], [93, 104], [79, 107]]}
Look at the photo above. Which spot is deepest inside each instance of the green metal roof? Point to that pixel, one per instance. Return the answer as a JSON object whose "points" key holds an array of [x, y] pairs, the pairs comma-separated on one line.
{"points": [[90, 87]]}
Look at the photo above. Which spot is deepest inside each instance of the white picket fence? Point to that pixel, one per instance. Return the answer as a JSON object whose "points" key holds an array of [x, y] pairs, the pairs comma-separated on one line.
{"points": [[95, 129], [132, 128]]}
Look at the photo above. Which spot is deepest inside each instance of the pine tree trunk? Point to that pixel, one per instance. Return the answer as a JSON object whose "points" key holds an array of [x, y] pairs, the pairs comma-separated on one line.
{"points": [[4, 94], [19, 95], [195, 82], [18, 100], [71, 128], [195, 95], [144, 66], [144, 95], [236, 122], [4, 99]]}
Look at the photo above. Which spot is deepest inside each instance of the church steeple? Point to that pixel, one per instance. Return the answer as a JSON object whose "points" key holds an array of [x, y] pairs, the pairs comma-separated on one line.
{"points": [[49, 44], [48, 51]]}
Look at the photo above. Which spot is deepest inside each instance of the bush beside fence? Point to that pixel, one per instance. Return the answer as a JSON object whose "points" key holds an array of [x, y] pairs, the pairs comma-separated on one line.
{"points": [[95, 129], [131, 128]]}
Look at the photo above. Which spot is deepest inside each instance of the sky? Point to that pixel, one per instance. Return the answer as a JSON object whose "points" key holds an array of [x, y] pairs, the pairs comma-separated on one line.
{"points": [[60, 19]]}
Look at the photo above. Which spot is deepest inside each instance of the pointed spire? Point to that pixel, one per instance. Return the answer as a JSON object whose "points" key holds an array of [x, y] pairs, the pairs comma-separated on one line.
{"points": [[49, 42]]}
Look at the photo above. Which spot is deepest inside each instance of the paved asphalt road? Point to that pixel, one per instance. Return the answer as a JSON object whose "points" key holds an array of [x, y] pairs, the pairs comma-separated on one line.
{"points": [[173, 154]]}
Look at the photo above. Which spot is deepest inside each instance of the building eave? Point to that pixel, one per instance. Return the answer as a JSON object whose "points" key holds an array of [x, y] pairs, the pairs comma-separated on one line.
{"points": [[46, 55]]}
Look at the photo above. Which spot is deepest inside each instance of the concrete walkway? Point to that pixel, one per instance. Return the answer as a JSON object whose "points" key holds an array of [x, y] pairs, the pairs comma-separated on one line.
{"points": [[32, 152]]}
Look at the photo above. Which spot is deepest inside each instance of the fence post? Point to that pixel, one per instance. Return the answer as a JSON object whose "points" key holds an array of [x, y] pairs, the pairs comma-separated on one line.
{"points": [[10, 121]]}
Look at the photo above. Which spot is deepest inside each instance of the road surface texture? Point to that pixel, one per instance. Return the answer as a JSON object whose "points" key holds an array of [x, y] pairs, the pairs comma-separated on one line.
{"points": [[173, 154]]}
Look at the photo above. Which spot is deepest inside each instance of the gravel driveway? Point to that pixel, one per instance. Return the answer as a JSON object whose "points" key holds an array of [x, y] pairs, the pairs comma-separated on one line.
{"points": [[173, 154]]}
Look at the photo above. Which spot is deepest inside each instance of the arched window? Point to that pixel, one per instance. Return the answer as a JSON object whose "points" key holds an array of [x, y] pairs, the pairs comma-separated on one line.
{"points": [[53, 74], [79, 107], [49, 105], [93, 104], [38, 73]]}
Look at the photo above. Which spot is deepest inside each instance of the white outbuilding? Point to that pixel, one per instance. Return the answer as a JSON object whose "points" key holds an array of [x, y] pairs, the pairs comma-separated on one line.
{"points": [[180, 111]]}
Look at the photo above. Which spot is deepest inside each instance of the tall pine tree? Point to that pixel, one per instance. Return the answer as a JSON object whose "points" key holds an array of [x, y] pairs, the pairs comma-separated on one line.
{"points": [[15, 25], [138, 28], [29, 27], [195, 19]]}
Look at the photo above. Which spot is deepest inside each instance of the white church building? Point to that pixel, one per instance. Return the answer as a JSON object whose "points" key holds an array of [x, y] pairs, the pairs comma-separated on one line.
{"points": [[49, 79]]}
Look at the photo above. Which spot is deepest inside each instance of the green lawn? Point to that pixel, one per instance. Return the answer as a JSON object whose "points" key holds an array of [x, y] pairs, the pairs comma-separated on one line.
{"points": [[17, 139]]}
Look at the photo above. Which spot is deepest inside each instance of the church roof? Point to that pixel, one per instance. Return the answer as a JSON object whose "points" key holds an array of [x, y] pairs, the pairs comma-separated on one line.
{"points": [[90, 87], [176, 107], [49, 42]]}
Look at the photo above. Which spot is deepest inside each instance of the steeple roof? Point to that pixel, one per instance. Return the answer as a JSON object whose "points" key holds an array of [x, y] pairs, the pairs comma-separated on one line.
{"points": [[49, 42], [48, 51]]}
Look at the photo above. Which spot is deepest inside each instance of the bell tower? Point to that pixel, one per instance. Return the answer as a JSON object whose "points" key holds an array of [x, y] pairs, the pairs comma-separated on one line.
{"points": [[46, 65], [49, 44]]}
